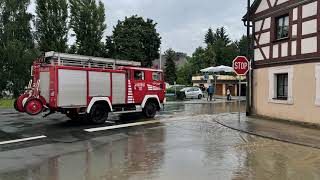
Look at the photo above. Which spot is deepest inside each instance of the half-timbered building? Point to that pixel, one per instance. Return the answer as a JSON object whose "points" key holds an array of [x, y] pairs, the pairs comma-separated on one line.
{"points": [[286, 68]]}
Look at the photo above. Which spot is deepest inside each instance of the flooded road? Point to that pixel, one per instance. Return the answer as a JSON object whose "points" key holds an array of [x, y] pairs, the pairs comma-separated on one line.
{"points": [[185, 144]]}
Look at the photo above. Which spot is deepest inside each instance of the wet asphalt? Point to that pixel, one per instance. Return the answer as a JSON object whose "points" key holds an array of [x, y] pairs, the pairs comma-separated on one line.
{"points": [[186, 143]]}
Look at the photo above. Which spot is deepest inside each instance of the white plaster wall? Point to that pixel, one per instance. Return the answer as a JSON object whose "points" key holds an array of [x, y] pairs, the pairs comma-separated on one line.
{"points": [[284, 49], [295, 14], [294, 30], [266, 51], [309, 27], [309, 9], [265, 38], [257, 25], [281, 1], [257, 55], [275, 51], [294, 48], [309, 45], [267, 24], [263, 6]]}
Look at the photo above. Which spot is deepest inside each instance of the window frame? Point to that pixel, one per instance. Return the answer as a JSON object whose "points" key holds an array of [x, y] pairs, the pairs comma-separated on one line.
{"points": [[284, 94], [273, 85], [284, 16]]}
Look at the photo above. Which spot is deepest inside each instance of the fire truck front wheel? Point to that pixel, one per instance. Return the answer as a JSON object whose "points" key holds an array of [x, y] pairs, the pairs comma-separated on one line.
{"points": [[98, 114], [150, 109]]}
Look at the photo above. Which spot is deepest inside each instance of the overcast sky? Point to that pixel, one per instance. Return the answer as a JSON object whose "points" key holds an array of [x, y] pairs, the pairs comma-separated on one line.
{"points": [[182, 24]]}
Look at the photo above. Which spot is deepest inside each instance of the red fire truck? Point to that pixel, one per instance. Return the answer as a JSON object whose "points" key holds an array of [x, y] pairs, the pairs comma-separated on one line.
{"points": [[78, 85]]}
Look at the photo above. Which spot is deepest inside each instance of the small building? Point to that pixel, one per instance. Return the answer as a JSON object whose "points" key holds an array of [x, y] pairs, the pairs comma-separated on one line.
{"points": [[223, 83], [286, 67]]}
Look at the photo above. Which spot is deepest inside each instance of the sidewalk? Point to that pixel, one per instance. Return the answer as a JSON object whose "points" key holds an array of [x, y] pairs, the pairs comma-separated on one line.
{"points": [[277, 130]]}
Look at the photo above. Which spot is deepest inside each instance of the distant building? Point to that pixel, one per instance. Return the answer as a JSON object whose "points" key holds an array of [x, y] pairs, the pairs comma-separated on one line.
{"points": [[286, 71], [223, 83], [181, 60]]}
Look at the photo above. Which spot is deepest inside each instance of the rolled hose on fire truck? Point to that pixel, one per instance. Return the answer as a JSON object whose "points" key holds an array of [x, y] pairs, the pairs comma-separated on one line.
{"points": [[31, 101], [29, 104]]}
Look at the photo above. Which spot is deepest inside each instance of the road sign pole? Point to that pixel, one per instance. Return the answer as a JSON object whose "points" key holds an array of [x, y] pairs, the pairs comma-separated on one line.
{"points": [[241, 66], [239, 98]]}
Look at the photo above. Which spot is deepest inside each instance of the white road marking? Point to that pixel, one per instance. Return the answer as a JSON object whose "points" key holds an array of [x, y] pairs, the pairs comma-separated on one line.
{"points": [[22, 140], [121, 126]]}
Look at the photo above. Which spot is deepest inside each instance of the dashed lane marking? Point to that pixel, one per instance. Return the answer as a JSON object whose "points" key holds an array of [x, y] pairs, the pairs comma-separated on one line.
{"points": [[22, 140], [122, 126]]}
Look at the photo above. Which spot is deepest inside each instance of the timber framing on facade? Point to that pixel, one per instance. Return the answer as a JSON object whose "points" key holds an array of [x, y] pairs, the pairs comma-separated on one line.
{"points": [[303, 42]]}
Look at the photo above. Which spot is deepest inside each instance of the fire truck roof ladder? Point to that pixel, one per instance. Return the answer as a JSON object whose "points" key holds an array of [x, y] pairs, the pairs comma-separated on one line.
{"points": [[64, 59]]}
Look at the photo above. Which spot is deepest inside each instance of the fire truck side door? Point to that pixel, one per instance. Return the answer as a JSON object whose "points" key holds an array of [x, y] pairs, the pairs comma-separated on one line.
{"points": [[138, 85]]}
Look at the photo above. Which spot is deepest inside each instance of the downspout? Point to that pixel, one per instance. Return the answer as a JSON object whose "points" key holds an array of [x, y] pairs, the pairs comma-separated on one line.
{"points": [[249, 77]]}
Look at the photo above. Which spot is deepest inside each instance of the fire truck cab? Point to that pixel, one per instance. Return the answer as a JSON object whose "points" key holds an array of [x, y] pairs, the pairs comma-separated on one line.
{"points": [[91, 87]]}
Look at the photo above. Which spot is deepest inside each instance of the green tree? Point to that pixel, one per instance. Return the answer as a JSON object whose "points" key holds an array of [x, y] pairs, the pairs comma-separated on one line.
{"points": [[243, 46], [209, 37], [221, 34], [51, 25], [184, 74], [135, 39], [170, 75], [17, 48], [88, 22]]}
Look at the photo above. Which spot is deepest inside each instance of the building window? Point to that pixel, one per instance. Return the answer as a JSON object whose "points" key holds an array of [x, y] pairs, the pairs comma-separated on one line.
{"points": [[282, 27], [282, 86]]}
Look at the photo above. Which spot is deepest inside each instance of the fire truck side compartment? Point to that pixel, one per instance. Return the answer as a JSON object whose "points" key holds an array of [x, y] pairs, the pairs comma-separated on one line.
{"points": [[99, 84], [72, 88], [44, 85], [118, 88]]}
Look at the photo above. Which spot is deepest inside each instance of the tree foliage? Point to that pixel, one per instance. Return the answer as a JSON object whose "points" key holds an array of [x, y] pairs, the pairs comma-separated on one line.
{"points": [[209, 37], [88, 22], [17, 47], [170, 75], [219, 50], [134, 39], [51, 25]]}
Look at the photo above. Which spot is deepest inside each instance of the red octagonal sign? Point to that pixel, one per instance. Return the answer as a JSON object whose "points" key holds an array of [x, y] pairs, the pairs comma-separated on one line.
{"points": [[241, 65]]}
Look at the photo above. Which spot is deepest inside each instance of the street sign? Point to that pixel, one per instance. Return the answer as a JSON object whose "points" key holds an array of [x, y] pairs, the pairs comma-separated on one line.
{"points": [[241, 65]]}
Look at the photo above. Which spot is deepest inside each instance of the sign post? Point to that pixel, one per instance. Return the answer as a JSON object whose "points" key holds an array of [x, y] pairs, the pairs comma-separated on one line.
{"points": [[241, 66]]}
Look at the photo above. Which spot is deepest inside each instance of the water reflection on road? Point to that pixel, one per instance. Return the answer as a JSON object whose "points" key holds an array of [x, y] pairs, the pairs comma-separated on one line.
{"points": [[192, 148]]}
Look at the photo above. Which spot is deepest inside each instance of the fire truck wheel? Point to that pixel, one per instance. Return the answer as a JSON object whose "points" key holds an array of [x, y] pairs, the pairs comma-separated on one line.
{"points": [[33, 106], [150, 109], [98, 114]]}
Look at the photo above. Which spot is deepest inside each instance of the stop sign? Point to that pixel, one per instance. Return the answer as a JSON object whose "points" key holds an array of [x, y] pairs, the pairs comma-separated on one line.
{"points": [[241, 65]]}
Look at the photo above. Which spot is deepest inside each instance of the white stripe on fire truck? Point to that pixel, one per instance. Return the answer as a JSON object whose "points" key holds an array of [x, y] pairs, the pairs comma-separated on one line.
{"points": [[22, 140], [121, 126]]}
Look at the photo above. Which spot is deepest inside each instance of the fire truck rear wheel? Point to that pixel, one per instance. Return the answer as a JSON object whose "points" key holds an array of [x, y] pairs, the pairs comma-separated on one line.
{"points": [[150, 109], [98, 114]]}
